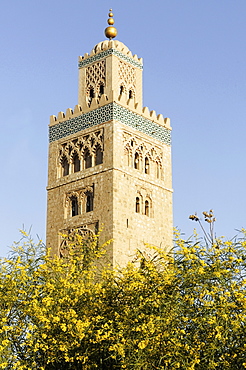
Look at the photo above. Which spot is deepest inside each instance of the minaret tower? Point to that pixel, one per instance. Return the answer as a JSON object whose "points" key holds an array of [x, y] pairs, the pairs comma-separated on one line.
{"points": [[110, 158]]}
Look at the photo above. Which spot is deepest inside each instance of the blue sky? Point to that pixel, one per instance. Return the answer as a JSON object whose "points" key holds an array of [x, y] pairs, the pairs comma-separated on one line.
{"points": [[194, 72]]}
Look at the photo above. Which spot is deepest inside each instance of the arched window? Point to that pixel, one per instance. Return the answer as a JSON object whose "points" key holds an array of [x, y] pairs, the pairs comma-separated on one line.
{"points": [[146, 165], [76, 163], [89, 202], [127, 157], [101, 89], [146, 208], [99, 156], [87, 159], [158, 170], [130, 94], [121, 89], [136, 161], [91, 93], [74, 206], [65, 166], [137, 205]]}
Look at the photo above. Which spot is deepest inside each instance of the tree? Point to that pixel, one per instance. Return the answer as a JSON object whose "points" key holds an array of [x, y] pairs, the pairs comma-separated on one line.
{"points": [[185, 309]]}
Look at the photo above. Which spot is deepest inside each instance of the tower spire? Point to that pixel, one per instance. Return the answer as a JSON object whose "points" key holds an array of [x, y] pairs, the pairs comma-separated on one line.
{"points": [[110, 31]]}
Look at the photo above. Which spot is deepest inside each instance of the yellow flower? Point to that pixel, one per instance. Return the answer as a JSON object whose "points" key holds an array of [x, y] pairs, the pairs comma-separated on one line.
{"points": [[143, 344]]}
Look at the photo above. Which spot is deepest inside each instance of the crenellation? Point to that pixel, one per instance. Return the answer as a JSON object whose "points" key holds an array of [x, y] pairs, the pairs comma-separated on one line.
{"points": [[167, 122], [94, 104], [104, 46], [138, 108], [160, 119], [111, 47], [153, 115], [146, 112], [122, 99], [77, 109], [69, 113], [111, 43], [60, 116], [53, 119], [131, 103], [105, 100]]}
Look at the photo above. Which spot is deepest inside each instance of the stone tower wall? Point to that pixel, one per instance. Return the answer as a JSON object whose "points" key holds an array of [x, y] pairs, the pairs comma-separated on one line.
{"points": [[132, 230], [99, 177]]}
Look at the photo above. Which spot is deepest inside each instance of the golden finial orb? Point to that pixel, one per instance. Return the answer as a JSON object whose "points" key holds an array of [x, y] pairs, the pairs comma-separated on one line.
{"points": [[110, 32]]}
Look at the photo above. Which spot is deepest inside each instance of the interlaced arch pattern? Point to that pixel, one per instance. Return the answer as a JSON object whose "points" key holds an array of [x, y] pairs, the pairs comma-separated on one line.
{"points": [[143, 156], [84, 152]]}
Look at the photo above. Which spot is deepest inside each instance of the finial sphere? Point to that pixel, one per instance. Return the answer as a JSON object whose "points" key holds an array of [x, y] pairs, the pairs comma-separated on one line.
{"points": [[110, 32], [111, 21]]}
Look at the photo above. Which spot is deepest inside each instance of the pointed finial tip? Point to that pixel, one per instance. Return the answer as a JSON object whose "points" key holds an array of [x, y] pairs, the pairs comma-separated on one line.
{"points": [[110, 32]]}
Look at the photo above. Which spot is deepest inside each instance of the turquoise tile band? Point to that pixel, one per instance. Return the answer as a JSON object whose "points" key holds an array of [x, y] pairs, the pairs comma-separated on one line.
{"points": [[105, 53], [107, 113]]}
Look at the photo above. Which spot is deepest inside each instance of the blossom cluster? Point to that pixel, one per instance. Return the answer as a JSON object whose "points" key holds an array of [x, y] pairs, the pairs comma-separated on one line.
{"points": [[180, 309]]}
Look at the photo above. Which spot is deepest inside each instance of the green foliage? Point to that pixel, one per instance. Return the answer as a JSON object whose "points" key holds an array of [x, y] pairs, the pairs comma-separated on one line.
{"points": [[182, 310]]}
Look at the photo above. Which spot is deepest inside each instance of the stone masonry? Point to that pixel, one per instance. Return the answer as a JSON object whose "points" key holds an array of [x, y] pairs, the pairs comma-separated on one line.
{"points": [[110, 160]]}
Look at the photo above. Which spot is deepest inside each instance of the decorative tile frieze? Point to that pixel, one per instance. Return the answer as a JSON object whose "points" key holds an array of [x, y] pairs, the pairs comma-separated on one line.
{"points": [[107, 113], [142, 124], [108, 52]]}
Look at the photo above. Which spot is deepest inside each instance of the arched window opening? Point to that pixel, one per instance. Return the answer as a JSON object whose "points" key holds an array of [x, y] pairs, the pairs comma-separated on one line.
{"points": [[101, 89], [121, 89], [74, 206], [127, 157], [146, 208], [130, 94], [99, 156], [136, 161], [146, 165], [65, 166], [91, 93], [87, 159], [76, 163], [89, 202], [158, 170], [137, 205]]}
